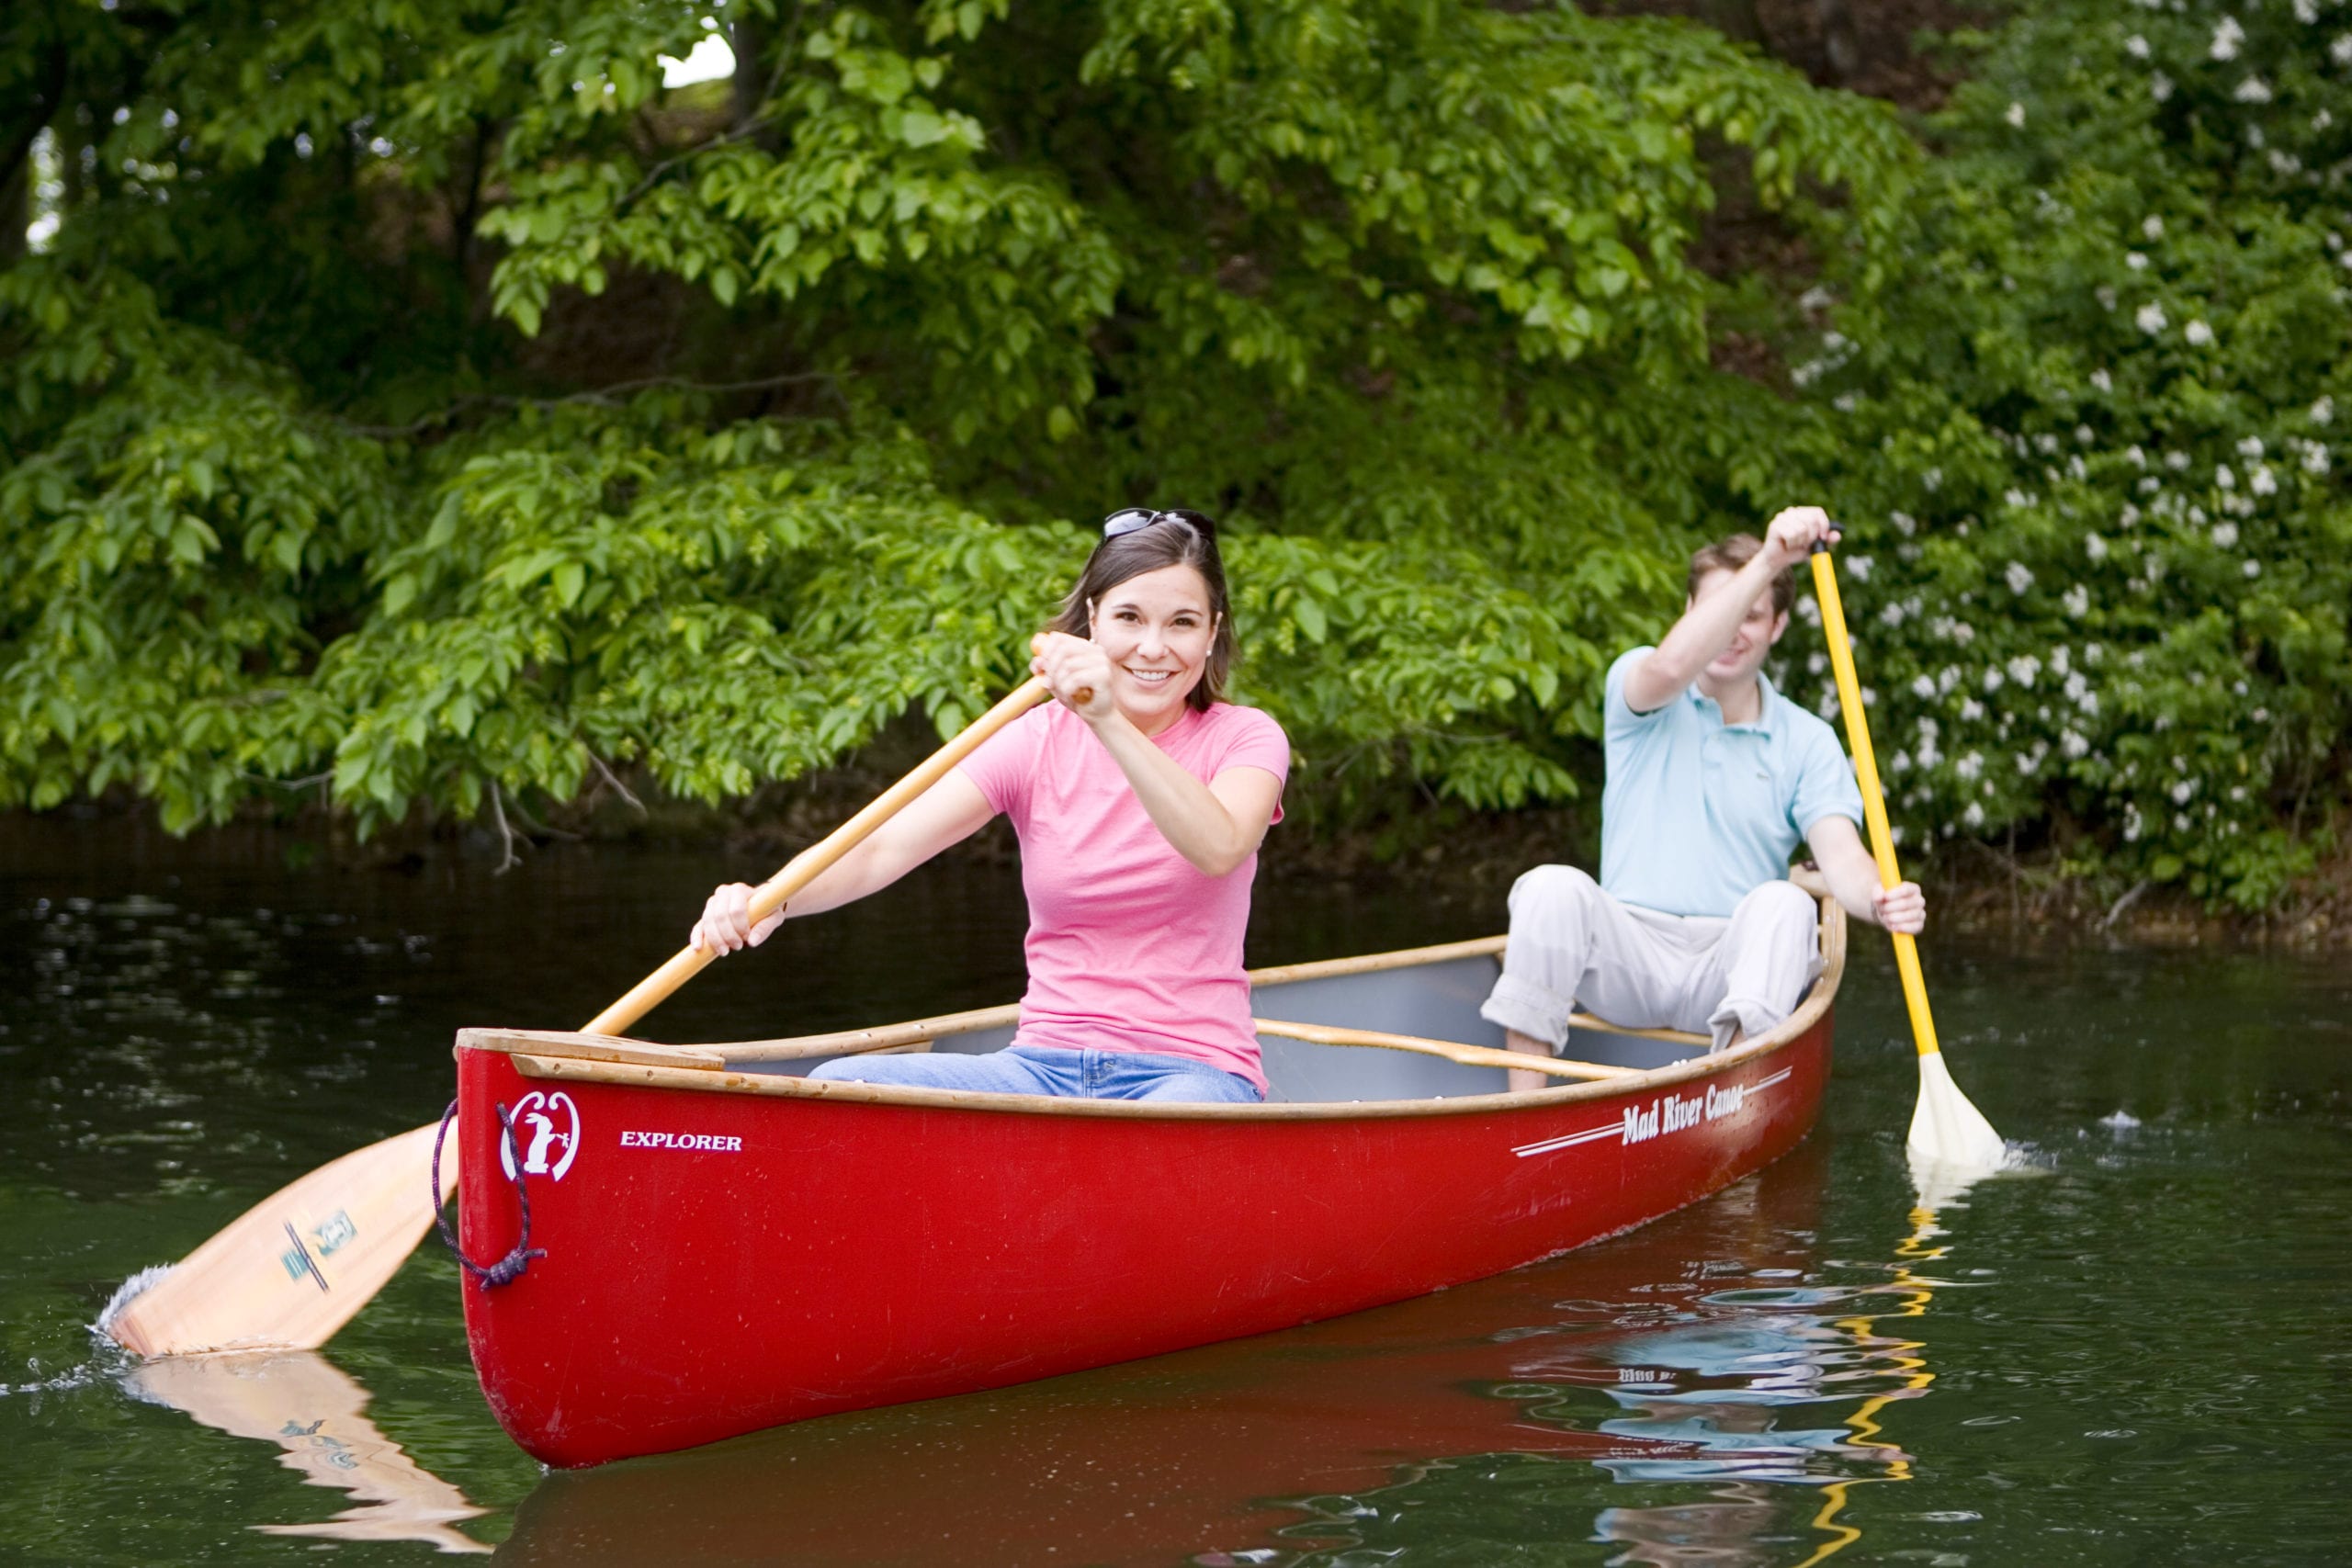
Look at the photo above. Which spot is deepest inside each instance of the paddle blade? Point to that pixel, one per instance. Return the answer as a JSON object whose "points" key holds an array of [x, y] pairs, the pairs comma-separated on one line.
{"points": [[1948, 1130], [295, 1267]]}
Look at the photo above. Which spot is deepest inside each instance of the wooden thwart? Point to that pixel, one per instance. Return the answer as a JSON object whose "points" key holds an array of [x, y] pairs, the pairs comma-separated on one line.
{"points": [[1468, 1056]]}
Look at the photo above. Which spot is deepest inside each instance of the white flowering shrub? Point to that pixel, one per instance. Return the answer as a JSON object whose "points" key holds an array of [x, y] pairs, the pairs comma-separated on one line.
{"points": [[2094, 407]]}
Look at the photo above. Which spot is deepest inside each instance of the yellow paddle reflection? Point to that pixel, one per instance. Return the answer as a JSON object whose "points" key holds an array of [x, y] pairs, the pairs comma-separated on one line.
{"points": [[317, 1415], [1940, 1187]]}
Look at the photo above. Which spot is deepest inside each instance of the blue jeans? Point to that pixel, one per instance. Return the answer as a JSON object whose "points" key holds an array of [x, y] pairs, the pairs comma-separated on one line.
{"points": [[1048, 1069]]}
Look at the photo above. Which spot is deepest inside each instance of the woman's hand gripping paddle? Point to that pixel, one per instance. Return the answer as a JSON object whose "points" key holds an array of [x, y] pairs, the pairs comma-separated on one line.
{"points": [[296, 1266], [1945, 1128]]}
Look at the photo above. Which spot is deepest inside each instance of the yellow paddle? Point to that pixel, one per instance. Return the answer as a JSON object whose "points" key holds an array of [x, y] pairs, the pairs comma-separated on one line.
{"points": [[295, 1267], [1944, 1127]]}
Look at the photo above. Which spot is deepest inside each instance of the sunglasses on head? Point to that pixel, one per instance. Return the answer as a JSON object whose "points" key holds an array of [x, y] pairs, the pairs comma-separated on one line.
{"points": [[1134, 519]]}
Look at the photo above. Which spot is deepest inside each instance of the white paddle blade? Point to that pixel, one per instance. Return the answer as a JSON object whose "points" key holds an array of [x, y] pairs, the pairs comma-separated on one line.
{"points": [[294, 1268], [1948, 1130]]}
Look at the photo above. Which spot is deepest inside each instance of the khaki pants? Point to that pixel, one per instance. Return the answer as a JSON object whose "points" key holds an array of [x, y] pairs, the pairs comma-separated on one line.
{"points": [[1571, 942]]}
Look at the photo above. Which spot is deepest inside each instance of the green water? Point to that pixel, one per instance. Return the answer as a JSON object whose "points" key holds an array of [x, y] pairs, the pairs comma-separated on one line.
{"points": [[2139, 1355]]}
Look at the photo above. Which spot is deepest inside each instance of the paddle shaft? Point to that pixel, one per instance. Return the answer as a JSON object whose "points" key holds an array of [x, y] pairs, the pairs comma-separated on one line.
{"points": [[813, 862], [1858, 736]]}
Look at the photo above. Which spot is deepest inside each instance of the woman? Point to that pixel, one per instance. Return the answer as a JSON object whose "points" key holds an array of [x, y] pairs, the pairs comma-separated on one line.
{"points": [[1140, 800]]}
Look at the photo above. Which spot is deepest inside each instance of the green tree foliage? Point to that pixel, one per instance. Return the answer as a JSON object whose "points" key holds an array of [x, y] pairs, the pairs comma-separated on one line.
{"points": [[2088, 413], [321, 469]]}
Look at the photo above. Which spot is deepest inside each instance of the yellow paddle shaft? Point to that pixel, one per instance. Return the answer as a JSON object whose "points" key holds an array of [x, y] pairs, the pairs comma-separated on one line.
{"points": [[1858, 736], [813, 862]]}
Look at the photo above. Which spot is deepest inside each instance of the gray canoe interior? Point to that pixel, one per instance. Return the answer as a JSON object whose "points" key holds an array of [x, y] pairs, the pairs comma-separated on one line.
{"points": [[1435, 1001]]}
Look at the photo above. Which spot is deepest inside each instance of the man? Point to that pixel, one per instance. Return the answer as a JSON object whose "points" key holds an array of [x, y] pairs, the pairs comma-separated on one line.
{"points": [[1713, 778]]}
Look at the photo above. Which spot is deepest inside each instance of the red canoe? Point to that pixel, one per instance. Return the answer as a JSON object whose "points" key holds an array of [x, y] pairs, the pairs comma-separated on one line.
{"points": [[729, 1246]]}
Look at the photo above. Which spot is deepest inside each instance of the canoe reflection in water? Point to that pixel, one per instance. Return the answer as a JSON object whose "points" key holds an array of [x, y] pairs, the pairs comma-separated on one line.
{"points": [[1699, 1364], [315, 1412]]}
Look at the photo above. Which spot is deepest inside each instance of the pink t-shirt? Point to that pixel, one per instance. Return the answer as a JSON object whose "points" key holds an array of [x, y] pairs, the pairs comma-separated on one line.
{"points": [[1130, 946]]}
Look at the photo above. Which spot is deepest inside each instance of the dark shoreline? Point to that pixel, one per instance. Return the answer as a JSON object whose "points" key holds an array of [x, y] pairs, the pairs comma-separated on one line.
{"points": [[1466, 862]]}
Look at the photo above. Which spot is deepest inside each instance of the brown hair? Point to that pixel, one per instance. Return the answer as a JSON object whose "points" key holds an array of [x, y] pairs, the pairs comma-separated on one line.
{"points": [[1729, 553], [1175, 537]]}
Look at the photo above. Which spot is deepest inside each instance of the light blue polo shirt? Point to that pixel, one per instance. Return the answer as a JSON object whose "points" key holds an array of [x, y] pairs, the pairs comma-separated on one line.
{"points": [[1696, 813]]}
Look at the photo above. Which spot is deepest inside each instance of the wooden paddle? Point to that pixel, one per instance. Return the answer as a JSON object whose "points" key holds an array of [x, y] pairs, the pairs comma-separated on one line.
{"points": [[1944, 1127], [295, 1267]]}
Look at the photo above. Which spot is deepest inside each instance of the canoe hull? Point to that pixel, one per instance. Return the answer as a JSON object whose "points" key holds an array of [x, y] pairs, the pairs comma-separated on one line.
{"points": [[721, 1262]]}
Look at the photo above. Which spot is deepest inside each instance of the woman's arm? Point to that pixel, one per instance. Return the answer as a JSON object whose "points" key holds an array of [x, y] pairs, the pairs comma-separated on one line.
{"points": [[947, 813], [1852, 877], [1215, 826]]}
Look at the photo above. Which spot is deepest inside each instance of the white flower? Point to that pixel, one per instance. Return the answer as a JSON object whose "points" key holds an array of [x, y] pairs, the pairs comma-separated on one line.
{"points": [[1923, 686], [2285, 163], [2061, 658], [2136, 261], [1809, 611], [1993, 679], [1904, 524], [1971, 709], [2226, 38], [2016, 498], [2224, 477], [1815, 298], [2024, 668], [2102, 380], [2153, 227], [2076, 685], [2083, 434], [2253, 90], [2199, 334], [1974, 815], [2105, 295], [2250, 447], [2015, 116], [2307, 11], [2324, 409], [2253, 568], [2225, 536], [2182, 791], [2149, 318], [1968, 767], [2137, 458], [2095, 546], [2130, 823], [1815, 663], [2129, 517], [1859, 566], [2021, 578], [2315, 458], [2136, 47], [2078, 601], [2341, 49], [2175, 459], [2071, 744], [2261, 483], [1899, 763], [2160, 86]]}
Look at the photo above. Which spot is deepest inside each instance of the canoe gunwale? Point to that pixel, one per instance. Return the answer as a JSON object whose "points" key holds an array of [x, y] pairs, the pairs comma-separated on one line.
{"points": [[551, 1054]]}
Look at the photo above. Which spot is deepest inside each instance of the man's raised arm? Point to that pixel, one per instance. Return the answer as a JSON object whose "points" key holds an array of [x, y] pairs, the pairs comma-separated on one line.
{"points": [[1713, 619]]}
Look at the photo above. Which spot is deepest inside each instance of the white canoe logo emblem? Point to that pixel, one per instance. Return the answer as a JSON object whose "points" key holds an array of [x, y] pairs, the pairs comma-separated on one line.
{"points": [[548, 1128]]}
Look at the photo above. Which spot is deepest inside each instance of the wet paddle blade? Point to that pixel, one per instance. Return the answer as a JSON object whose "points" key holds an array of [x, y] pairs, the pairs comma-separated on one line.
{"points": [[1948, 1130], [296, 1266]]}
